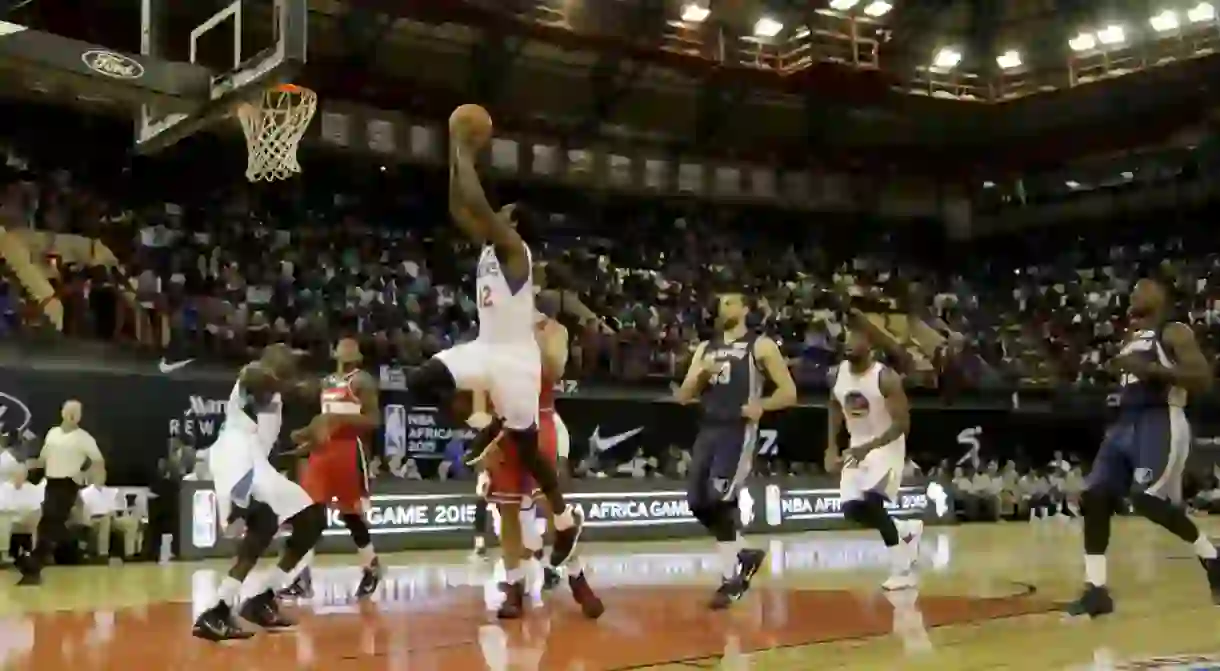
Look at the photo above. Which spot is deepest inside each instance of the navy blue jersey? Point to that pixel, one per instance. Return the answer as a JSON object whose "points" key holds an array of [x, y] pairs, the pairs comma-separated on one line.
{"points": [[737, 382], [1136, 393]]}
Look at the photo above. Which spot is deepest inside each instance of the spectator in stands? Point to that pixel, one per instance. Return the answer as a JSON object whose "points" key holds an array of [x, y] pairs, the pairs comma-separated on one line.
{"points": [[677, 463], [410, 470], [20, 511], [103, 511], [986, 486], [1035, 495]]}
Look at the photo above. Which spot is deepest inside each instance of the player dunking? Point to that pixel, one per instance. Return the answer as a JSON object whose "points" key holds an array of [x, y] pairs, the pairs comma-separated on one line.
{"points": [[725, 375], [337, 473], [252, 496], [504, 359], [513, 491], [1144, 451], [868, 397]]}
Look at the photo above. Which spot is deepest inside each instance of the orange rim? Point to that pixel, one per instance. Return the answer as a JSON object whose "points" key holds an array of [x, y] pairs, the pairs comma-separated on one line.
{"points": [[289, 88]]}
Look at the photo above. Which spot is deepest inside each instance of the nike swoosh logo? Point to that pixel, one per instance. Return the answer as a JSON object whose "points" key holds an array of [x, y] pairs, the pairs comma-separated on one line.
{"points": [[167, 367], [602, 444]]}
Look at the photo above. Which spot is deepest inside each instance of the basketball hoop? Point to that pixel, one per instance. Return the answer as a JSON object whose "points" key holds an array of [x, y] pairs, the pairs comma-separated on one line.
{"points": [[274, 127]]}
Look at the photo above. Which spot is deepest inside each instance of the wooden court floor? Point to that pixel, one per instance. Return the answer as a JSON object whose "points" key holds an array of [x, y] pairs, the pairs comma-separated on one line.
{"points": [[988, 601]]}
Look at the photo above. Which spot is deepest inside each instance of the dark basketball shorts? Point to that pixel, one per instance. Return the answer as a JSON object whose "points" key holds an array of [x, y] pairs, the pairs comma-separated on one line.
{"points": [[722, 458], [1145, 450]]}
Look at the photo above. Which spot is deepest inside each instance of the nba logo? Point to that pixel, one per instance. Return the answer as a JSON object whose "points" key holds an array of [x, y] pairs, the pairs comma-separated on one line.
{"points": [[203, 518], [395, 430]]}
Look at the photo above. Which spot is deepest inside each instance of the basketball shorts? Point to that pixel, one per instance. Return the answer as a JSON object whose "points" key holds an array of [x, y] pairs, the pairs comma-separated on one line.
{"points": [[510, 481], [510, 374], [721, 461], [242, 474], [1144, 451], [338, 474], [880, 471]]}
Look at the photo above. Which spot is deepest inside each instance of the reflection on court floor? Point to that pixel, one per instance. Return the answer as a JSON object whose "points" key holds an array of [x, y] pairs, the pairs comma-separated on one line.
{"points": [[987, 601]]}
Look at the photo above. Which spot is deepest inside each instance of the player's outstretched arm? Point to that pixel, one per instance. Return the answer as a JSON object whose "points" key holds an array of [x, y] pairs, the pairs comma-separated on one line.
{"points": [[696, 377], [470, 209], [1191, 370]]}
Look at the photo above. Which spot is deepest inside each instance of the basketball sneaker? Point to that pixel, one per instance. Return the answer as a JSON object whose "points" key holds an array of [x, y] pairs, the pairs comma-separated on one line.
{"points": [[1094, 601], [371, 579], [910, 535], [514, 600], [264, 610], [301, 588], [550, 578], [566, 539], [585, 597], [1212, 566], [218, 624], [733, 588]]}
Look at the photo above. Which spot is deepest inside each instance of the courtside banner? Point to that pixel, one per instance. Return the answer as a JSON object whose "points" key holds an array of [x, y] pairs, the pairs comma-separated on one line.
{"points": [[441, 515]]}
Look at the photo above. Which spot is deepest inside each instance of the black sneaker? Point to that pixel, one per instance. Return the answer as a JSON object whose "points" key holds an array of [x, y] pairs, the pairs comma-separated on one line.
{"points": [[550, 578], [301, 588], [264, 610], [31, 570], [566, 540], [218, 624], [730, 591], [748, 563], [1212, 566], [371, 580], [1094, 601]]}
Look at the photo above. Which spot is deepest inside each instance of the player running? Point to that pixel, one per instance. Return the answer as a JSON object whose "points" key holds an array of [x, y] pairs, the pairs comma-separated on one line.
{"points": [[336, 473], [726, 376], [868, 397], [1143, 454], [254, 499]]}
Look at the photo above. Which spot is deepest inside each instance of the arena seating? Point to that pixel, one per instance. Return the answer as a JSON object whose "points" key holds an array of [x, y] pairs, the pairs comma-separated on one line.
{"points": [[186, 259]]}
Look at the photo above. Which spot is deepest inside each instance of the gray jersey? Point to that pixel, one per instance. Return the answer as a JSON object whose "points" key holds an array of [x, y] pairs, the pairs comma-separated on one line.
{"points": [[737, 382]]}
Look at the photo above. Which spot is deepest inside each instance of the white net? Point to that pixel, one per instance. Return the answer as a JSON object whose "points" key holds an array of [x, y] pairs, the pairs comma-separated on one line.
{"points": [[274, 127]]}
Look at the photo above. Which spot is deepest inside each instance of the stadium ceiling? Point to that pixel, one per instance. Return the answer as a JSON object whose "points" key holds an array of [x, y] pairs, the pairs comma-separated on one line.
{"points": [[930, 85]]}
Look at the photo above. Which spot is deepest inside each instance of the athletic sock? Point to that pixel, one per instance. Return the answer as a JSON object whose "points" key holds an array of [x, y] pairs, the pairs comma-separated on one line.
{"points": [[367, 555], [480, 542], [297, 570], [727, 551], [514, 576], [1095, 570], [1204, 548], [277, 579], [229, 592]]}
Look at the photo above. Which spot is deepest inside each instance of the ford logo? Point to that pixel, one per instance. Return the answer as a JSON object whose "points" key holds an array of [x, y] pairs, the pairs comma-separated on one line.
{"points": [[14, 416], [113, 65]]}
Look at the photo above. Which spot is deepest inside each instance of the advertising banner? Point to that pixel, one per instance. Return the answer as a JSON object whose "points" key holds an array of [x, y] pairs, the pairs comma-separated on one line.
{"points": [[433, 515], [421, 432]]}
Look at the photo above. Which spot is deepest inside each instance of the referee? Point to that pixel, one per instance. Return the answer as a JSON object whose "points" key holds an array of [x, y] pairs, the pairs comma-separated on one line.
{"points": [[66, 453]]}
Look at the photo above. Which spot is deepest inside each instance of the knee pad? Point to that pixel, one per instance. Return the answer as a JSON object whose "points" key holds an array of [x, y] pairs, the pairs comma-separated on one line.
{"points": [[725, 526], [307, 528], [531, 537], [359, 529], [706, 515], [431, 382], [1095, 502]]}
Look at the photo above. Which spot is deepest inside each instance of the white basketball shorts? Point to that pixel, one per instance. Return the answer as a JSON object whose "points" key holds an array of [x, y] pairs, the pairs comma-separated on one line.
{"points": [[241, 474], [880, 471], [510, 374]]}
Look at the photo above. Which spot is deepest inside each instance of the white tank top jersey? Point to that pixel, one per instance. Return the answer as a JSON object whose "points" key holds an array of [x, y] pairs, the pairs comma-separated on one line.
{"points": [[240, 417], [864, 410], [506, 317]]}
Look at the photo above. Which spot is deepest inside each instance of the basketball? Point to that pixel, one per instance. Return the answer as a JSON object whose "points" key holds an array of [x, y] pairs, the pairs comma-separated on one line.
{"points": [[472, 120]]}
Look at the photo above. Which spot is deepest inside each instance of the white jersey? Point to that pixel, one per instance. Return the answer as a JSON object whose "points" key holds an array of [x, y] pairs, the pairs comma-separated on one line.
{"points": [[864, 409], [506, 317], [241, 416]]}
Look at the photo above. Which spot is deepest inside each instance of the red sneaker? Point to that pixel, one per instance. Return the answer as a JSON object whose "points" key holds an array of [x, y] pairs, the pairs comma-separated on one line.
{"points": [[584, 595], [514, 601]]}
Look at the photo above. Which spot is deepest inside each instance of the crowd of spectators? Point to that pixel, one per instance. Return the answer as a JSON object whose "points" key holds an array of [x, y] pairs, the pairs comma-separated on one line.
{"points": [[224, 268]]}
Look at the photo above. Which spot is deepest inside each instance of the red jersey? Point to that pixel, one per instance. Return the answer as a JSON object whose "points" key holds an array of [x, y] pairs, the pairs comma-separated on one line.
{"points": [[338, 398], [546, 397]]}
